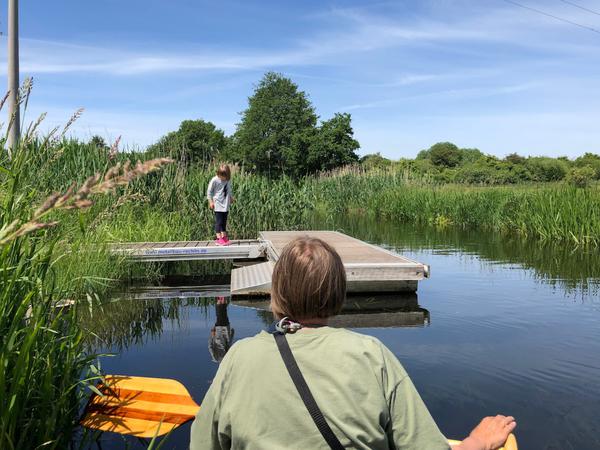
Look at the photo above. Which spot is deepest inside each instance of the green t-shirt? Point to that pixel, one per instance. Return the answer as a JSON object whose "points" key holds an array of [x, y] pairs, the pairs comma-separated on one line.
{"points": [[360, 386]]}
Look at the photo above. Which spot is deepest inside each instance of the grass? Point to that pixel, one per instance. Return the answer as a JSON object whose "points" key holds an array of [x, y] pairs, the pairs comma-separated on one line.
{"points": [[549, 212]]}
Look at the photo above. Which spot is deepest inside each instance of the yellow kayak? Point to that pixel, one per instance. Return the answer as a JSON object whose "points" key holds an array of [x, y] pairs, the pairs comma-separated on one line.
{"points": [[510, 444]]}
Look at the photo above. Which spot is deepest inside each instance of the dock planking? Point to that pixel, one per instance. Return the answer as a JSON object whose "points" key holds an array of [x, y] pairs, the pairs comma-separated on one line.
{"points": [[369, 268]]}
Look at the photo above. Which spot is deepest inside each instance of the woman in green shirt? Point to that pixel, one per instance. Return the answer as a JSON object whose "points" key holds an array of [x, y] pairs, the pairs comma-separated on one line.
{"points": [[362, 390]]}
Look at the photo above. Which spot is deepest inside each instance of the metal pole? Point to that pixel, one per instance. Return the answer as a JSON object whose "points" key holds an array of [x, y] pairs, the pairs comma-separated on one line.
{"points": [[14, 118]]}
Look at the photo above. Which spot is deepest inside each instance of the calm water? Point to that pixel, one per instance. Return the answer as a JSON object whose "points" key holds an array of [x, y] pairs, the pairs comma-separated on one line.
{"points": [[502, 326]]}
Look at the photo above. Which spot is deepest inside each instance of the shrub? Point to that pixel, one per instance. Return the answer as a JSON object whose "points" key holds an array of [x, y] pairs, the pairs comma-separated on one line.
{"points": [[581, 176], [547, 169]]}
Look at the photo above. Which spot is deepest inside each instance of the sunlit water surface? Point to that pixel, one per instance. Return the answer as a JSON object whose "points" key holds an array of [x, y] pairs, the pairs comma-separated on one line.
{"points": [[502, 326]]}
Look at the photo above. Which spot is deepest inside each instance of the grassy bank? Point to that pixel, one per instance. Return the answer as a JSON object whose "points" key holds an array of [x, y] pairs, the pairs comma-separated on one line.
{"points": [[549, 211]]}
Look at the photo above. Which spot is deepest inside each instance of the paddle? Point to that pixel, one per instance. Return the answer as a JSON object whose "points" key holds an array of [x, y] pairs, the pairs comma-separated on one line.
{"points": [[139, 406]]}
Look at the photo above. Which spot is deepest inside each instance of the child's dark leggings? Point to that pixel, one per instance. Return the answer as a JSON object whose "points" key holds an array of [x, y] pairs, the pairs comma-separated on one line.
{"points": [[220, 221]]}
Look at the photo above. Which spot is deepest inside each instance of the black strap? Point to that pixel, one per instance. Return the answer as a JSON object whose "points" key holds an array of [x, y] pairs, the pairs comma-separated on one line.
{"points": [[304, 391]]}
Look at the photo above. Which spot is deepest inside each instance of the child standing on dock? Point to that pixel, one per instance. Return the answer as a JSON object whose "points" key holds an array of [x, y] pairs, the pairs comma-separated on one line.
{"points": [[220, 198]]}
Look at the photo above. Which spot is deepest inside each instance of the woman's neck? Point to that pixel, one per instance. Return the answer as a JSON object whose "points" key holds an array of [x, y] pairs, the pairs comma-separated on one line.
{"points": [[309, 324]]}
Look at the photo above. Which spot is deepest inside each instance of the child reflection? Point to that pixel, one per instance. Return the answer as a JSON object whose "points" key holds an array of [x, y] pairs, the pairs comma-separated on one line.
{"points": [[221, 335]]}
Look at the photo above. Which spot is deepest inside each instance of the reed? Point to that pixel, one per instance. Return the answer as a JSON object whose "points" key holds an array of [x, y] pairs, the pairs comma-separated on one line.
{"points": [[46, 365], [549, 211]]}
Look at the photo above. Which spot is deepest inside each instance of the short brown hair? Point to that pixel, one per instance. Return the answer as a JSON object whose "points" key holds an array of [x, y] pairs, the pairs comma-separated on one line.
{"points": [[309, 281], [224, 171]]}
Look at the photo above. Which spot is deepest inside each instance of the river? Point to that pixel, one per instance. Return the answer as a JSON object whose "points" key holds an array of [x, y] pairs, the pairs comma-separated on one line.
{"points": [[504, 325]]}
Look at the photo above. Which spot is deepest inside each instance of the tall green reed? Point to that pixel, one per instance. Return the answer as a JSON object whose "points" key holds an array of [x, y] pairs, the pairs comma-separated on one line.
{"points": [[45, 363]]}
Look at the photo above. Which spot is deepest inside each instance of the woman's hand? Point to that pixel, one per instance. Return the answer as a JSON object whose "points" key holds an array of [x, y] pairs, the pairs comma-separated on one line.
{"points": [[490, 434], [211, 204]]}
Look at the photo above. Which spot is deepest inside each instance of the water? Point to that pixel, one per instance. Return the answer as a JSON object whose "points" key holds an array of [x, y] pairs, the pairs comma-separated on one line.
{"points": [[502, 326]]}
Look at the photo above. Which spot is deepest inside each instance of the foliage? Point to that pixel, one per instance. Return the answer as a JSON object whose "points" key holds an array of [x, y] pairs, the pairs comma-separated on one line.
{"points": [[277, 128], [46, 366], [279, 135], [196, 141], [546, 169], [374, 161], [581, 176], [442, 154], [554, 211], [98, 142], [333, 145], [590, 160], [515, 158]]}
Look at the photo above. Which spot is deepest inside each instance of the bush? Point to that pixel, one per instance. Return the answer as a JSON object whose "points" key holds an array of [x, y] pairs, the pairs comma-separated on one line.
{"points": [[591, 160], [581, 176], [547, 169]]}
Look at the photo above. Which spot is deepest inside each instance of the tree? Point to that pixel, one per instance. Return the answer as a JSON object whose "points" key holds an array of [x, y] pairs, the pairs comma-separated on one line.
{"points": [[277, 129], [98, 142], [515, 158], [194, 141], [333, 145], [592, 160], [375, 161], [546, 169], [444, 154]]}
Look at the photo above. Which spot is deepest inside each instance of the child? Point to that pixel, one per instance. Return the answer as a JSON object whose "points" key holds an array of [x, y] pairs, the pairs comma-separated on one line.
{"points": [[219, 194]]}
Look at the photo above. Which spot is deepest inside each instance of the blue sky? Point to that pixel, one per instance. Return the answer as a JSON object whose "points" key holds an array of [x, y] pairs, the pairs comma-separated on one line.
{"points": [[483, 74]]}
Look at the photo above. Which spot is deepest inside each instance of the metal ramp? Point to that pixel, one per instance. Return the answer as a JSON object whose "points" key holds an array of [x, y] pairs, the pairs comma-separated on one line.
{"points": [[189, 250], [252, 280]]}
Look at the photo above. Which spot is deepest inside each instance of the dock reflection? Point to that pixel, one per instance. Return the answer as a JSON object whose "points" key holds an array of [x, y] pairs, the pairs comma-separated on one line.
{"points": [[363, 311], [134, 318]]}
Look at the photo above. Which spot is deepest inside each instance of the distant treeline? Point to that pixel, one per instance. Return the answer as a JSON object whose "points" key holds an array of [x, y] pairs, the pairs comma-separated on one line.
{"points": [[280, 134], [446, 163]]}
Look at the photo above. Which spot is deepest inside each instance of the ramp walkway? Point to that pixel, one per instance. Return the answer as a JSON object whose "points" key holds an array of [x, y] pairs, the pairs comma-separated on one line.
{"points": [[189, 250]]}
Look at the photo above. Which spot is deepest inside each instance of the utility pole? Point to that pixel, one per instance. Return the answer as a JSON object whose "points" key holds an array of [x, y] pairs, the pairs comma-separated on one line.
{"points": [[14, 118]]}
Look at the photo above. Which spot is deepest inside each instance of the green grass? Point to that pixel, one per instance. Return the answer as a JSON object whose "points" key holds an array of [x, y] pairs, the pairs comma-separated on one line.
{"points": [[550, 211]]}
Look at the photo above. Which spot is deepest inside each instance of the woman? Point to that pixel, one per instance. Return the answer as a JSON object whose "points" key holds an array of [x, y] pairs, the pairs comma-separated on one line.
{"points": [[362, 390]]}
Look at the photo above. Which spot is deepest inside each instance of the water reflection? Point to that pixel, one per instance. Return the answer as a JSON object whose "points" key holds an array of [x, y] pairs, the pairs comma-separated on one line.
{"points": [[134, 319], [221, 334], [363, 311], [564, 266]]}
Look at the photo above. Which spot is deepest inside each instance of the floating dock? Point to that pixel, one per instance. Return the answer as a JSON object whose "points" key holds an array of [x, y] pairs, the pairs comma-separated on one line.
{"points": [[369, 268]]}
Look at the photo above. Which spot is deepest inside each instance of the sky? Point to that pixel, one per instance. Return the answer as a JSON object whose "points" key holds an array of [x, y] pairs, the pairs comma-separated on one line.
{"points": [[480, 73]]}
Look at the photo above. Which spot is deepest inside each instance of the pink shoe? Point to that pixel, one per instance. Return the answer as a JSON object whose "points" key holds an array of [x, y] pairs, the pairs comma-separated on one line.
{"points": [[226, 241], [220, 241]]}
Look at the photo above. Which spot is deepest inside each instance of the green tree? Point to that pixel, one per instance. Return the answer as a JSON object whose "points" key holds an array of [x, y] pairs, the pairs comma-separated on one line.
{"points": [[515, 158], [547, 169], [592, 160], [580, 176], [333, 144], [375, 161], [194, 141], [470, 155], [444, 154], [98, 142], [277, 129]]}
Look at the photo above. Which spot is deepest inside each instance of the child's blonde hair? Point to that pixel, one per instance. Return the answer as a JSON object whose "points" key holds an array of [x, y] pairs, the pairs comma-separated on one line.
{"points": [[309, 281], [224, 171]]}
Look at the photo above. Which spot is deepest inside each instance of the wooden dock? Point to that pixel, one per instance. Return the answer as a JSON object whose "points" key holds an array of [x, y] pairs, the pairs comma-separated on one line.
{"points": [[369, 268]]}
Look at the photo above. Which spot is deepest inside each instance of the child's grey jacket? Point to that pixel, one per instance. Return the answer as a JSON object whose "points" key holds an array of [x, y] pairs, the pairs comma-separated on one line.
{"points": [[219, 192]]}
